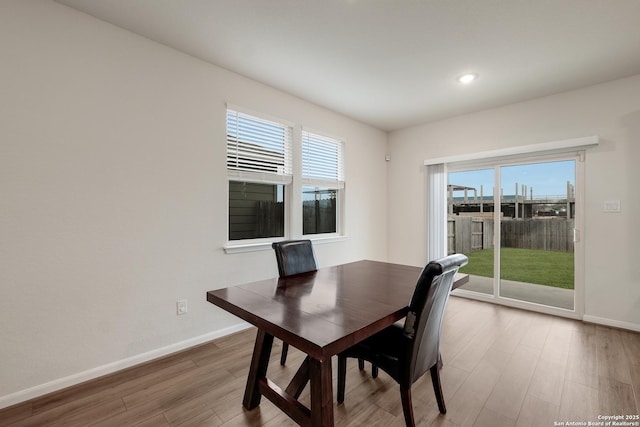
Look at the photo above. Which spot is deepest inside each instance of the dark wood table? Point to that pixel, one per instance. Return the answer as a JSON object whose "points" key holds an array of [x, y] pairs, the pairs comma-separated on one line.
{"points": [[321, 313]]}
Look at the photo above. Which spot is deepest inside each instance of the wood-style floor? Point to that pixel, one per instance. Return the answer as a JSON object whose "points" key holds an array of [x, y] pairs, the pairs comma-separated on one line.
{"points": [[502, 367]]}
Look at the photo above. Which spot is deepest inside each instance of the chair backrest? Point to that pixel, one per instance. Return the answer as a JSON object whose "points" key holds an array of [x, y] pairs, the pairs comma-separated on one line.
{"points": [[294, 257], [426, 311]]}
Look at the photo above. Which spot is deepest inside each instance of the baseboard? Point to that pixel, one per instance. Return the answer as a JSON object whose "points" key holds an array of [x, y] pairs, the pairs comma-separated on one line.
{"points": [[613, 323], [55, 385]]}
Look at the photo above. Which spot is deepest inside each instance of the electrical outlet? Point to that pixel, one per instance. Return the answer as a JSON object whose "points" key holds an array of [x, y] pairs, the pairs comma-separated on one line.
{"points": [[181, 307]]}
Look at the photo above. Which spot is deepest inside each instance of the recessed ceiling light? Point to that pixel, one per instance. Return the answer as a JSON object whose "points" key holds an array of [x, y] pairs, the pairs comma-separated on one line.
{"points": [[467, 78]]}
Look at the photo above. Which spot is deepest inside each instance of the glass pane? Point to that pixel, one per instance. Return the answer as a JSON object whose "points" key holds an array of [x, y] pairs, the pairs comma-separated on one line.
{"points": [[255, 210], [536, 233], [319, 210], [470, 225]]}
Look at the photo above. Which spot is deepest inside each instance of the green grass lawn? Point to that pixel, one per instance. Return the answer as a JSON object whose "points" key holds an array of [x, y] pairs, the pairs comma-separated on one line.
{"points": [[525, 265]]}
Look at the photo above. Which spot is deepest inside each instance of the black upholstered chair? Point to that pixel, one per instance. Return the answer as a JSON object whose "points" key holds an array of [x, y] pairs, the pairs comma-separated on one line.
{"points": [[294, 257], [406, 352]]}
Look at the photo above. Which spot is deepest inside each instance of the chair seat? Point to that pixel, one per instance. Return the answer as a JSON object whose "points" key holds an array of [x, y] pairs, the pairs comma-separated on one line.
{"points": [[384, 350]]}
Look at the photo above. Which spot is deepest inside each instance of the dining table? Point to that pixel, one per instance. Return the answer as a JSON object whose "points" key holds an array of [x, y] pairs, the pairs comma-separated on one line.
{"points": [[321, 313]]}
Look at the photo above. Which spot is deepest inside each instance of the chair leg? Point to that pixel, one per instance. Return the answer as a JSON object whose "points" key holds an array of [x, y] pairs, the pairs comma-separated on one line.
{"points": [[374, 368], [342, 376], [407, 406], [283, 357], [437, 388]]}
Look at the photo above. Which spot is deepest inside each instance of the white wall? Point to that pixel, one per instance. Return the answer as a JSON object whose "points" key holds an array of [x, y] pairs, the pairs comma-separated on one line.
{"points": [[610, 110], [113, 196]]}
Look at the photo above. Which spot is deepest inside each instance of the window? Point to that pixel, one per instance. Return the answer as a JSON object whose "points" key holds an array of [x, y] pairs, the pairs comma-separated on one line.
{"points": [[259, 170], [274, 194], [323, 183]]}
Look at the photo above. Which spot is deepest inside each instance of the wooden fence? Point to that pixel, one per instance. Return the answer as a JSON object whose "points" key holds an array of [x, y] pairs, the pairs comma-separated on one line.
{"points": [[254, 211], [467, 234], [319, 216]]}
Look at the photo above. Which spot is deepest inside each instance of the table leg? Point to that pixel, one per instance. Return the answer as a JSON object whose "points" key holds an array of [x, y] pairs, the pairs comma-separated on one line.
{"points": [[258, 369], [321, 392], [300, 380]]}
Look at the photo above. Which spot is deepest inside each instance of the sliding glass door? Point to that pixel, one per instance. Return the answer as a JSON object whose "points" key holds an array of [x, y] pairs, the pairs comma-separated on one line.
{"points": [[515, 220], [536, 233]]}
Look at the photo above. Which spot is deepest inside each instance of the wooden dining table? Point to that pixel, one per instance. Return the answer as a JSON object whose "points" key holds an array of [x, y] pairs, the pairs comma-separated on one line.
{"points": [[320, 313]]}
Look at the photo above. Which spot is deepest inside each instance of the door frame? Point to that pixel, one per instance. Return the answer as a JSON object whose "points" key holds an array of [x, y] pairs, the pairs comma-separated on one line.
{"points": [[579, 256]]}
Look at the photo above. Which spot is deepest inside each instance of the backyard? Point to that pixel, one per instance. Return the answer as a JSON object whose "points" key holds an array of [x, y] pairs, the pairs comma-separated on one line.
{"points": [[550, 268]]}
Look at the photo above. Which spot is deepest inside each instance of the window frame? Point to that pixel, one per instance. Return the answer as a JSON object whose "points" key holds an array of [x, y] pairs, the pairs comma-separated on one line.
{"points": [[283, 177], [323, 183], [293, 184], [437, 171]]}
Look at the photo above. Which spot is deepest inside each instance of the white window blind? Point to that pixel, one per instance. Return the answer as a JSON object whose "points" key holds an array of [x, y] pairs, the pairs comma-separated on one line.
{"points": [[257, 145], [322, 157]]}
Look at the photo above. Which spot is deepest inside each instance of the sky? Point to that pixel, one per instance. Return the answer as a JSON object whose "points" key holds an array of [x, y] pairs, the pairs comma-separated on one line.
{"points": [[546, 179]]}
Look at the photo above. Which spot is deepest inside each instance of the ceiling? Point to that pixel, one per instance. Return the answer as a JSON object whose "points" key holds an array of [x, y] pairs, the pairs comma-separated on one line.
{"points": [[394, 63]]}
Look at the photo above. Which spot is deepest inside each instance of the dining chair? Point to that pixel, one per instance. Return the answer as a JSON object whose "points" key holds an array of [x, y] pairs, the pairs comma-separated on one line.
{"points": [[293, 257], [407, 350]]}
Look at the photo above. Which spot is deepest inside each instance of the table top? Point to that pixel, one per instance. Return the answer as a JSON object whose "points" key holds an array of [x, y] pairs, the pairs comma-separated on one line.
{"points": [[324, 312]]}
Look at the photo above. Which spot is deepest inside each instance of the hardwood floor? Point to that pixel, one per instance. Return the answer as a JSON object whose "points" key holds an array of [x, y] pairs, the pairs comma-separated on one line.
{"points": [[502, 367]]}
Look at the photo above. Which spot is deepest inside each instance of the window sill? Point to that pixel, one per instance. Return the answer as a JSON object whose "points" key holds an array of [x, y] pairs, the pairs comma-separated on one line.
{"points": [[263, 246]]}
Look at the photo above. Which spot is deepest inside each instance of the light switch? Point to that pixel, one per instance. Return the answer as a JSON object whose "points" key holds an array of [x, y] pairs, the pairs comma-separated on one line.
{"points": [[611, 206], [181, 307]]}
